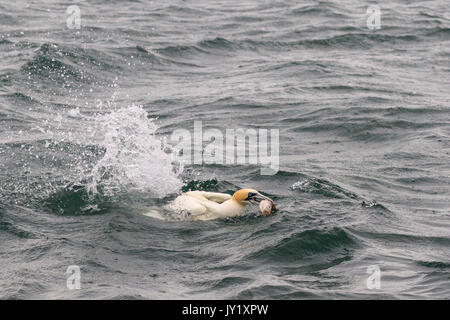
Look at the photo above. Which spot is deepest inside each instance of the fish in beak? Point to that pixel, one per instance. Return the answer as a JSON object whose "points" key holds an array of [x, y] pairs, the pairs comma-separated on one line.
{"points": [[266, 207]]}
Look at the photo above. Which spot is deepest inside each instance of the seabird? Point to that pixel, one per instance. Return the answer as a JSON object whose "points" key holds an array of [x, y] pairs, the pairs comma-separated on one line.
{"points": [[202, 205]]}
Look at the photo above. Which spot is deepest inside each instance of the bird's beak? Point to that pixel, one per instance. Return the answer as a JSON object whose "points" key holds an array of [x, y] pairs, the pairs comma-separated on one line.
{"points": [[256, 198]]}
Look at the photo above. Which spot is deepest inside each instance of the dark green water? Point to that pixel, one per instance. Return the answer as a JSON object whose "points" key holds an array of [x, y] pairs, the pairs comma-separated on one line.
{"points": [[364, 129]]}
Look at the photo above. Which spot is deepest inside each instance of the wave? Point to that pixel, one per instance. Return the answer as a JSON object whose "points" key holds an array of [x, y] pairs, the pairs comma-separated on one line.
{"points": [[440, 32], [366, 129], [434, 264], [5, 41], [76, 200], [323, 187], [307, 243], [354, 40], [156, 57], [54, 69], [11, 228], [70, 66], [409, 239]]}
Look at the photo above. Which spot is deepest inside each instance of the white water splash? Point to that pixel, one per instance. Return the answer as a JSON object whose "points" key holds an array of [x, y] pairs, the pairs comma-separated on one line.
{"points": [[135, 158], [115, 151]]}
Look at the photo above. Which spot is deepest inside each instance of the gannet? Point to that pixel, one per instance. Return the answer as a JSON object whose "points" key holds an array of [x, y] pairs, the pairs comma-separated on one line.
{"points": [[202, 205]]}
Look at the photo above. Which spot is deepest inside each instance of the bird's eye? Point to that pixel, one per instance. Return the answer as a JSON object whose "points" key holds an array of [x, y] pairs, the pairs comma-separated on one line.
{"points": [[250, 195]]}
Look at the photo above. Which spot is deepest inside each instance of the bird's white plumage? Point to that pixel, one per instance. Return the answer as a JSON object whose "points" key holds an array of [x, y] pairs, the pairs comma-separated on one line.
{"points": [[202, 205]]}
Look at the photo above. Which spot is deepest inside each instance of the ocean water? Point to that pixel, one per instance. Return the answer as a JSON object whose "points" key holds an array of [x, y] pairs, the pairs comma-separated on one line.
{"points": [[363, 187]]}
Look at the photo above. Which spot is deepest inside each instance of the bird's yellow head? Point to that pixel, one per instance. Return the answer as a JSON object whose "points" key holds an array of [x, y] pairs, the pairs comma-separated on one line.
{"points": [[246, 196]]}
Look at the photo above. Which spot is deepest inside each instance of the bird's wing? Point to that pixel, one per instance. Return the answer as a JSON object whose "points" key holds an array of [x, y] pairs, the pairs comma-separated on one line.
{"points": [[216, 196], [190, 204]]}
